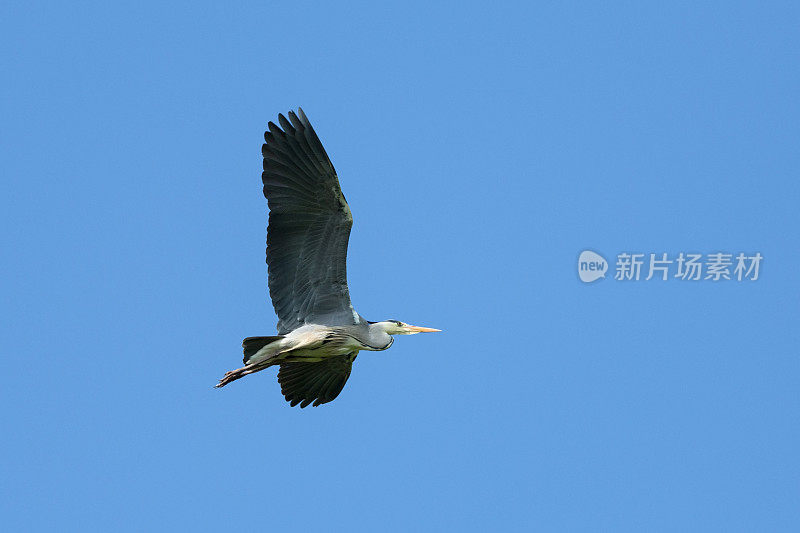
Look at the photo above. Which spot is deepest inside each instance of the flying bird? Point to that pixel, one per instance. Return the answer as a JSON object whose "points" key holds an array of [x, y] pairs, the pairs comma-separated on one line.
{"points": [[319, 332]]}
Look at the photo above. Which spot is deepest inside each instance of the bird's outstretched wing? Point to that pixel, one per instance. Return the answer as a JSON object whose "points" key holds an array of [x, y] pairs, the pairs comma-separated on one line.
{"points": [[319, 383], [309, 227]]}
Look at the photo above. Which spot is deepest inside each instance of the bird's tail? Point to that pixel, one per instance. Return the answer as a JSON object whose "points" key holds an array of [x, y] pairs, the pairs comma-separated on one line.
{"points": [[254, 346], [258, 351]]}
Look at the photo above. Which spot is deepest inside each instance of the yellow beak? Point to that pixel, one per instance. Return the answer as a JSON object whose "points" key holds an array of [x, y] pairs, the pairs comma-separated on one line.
{"points": [[421, 329]]}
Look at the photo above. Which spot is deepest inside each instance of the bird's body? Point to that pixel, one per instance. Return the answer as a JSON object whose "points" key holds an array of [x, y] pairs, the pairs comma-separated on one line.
{"points": [[320, 333], [313, 343]]}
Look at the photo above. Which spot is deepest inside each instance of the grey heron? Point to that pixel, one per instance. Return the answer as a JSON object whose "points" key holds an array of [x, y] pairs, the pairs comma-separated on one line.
{"points": [[319, 332]]}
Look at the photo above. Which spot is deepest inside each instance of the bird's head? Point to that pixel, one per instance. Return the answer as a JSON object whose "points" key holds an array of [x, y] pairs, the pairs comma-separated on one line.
{"points": [[395, 327]]}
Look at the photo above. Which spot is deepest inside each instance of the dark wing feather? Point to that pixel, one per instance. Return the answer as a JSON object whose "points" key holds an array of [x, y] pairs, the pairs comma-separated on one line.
{"points": [[309, 228], [319, 383]]}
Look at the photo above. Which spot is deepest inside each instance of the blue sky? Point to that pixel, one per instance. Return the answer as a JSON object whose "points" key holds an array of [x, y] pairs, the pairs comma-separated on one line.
{"points": [[481, 149]]}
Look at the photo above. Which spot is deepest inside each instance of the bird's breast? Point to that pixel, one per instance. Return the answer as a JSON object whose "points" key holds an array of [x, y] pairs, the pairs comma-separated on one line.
{"points": [[375, 347]]}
